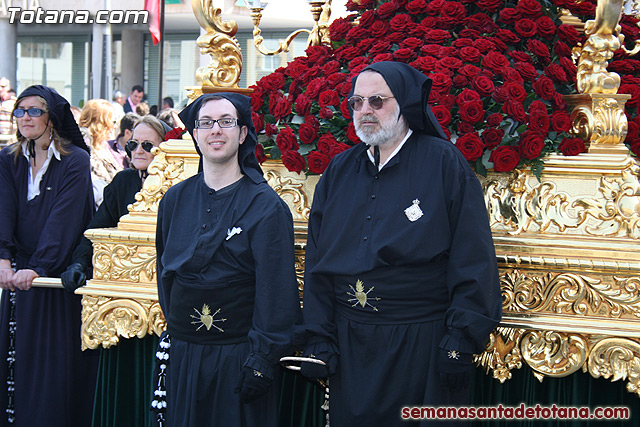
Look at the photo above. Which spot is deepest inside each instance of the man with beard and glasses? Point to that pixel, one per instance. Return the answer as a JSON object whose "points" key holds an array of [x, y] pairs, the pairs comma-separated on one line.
{"points": [[401, 282]]}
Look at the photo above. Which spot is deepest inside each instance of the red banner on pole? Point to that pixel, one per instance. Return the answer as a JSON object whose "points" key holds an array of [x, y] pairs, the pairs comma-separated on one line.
{"points": [[153, 6]]}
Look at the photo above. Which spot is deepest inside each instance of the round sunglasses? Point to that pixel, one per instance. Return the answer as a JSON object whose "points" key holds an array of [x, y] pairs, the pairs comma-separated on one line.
{"points": [[375, 102], [132, 145], [32, 112]]}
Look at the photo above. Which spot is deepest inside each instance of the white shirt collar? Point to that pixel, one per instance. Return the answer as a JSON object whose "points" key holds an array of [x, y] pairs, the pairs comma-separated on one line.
{"points": [[51, 151], [33, 185], [381, 165]]}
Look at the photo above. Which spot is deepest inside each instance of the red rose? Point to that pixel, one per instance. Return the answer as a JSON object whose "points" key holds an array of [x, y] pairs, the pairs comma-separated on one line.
{"points": [[401, 22], [325, 113], [561, 49], [416, 7], [425, 63], [448, 101], [344, 88], [515, 110], [328, 98], [495, 61], [356, 34], [464, 127], [344, 108], [347, 53], [313, 121], [272, 81], [494, 119], [437, 36], [317, 54], [507, 36], [412, 43], [483, 85], [632, 131], [461, 42], [441, 82], [258, 122], [259, 151], [635, 147], [526, 70], [367, 18], [500, 95], [569, 34], [383, 57], [337, 148], [471, 146], [544, 88], [459, 81], [546, 27], [351, 134], [286, 140], [443, 115], [281, 108], [379, 29], [529, 8], [470, 54], [386, 10], [531, 145], [520, 56], [360, 60], [526, 28], [492, 137], [453, 12], [450, 63], [469, 34], [469, 70], [540, 50], [632, 90], [537, 105], [557, 102], [572, 146], [404, 54], [270, 129], [556, 73], [318, 162], [257, 98], [471, 111], [307, 133], [560, 121], [467, 95], [433, 7], [515, 92], [431, 50], [303, 105], [325, 142], [482, 23], [504, 158], [539, 121], [314, 88], [296, 69], [489, 5], [509, 15], [339, 29], [293, 161]]}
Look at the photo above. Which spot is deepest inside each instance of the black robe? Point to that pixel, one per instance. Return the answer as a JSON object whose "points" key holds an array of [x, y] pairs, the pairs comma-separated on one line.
{"points": [[54, 379], [385, 291], [229, 250]]}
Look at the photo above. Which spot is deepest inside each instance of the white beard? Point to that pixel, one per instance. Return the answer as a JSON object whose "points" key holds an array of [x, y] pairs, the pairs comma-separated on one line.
{"points": [[390, 130]]}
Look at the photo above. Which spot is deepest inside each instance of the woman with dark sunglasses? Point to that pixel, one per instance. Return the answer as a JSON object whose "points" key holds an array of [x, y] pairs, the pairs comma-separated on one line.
{"points": [[46, 201], [125, 370]]}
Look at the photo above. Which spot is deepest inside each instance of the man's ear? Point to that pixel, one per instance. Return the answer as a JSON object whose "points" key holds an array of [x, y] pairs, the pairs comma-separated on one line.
{"points": [[243, 133]]}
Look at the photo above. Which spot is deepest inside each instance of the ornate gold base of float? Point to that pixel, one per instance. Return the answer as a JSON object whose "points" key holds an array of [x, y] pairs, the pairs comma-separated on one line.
{"points": [[569, 259]]}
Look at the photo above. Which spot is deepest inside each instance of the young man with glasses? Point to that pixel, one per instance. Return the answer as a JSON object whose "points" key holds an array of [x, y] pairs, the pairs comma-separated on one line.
{"points": [[401, 282], [226, 278]]}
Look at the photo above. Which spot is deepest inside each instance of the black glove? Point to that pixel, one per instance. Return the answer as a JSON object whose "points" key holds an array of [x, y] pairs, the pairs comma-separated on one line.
{"points": [[455, 369], [252, 385], [316, 371], [74, 277]]}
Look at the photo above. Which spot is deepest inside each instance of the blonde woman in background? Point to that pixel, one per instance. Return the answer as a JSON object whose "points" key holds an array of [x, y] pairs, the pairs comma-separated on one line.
{"points": [[98, 117]]}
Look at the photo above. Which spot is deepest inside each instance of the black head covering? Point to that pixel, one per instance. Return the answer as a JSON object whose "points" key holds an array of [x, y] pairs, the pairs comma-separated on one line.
{"points": [[247, 151], [59, 113], [411, 90]]}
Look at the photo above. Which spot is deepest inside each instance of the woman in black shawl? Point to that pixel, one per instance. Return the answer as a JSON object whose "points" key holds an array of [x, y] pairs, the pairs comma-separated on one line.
{"points": [[47, 201]]}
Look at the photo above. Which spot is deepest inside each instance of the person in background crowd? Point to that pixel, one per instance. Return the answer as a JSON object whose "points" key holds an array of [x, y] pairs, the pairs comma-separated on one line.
{"points": [[401, 279], [125, 370], [167, 102], [119, 144], [143, 109], [227, 287], [135, 97], [118, 100], [45, 189], [153, 110], [6, 106], [98, 118]]}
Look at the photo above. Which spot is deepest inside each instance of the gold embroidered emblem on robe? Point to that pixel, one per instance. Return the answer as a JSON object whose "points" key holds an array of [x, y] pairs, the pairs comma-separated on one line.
{"points": [[206, 319], [359, 296]]}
